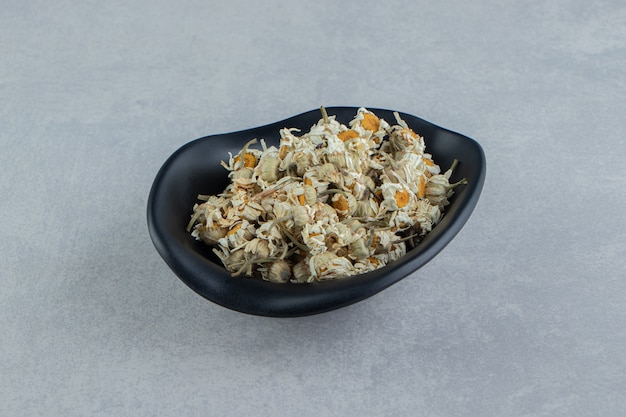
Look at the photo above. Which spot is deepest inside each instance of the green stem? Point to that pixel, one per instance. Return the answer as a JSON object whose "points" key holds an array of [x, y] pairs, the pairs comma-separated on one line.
{"points": [[454, 164], [462, 181]]}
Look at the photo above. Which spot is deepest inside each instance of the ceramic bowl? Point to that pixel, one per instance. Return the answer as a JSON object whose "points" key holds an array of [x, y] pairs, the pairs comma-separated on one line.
{"points": [[195, 169]]}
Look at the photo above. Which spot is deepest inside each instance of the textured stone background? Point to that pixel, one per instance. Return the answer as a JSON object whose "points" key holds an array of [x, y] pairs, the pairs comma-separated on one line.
{"points": [[521, 315]]}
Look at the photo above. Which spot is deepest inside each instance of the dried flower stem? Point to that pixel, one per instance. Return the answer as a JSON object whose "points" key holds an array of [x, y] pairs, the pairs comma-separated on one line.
{"points": [[194, 217], [324, 114], [281, 183], [293, 239], [462, 181], [409, 237], [454, 165]]}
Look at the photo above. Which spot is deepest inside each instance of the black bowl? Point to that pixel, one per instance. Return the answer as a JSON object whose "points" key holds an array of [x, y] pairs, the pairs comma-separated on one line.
{"points": [[195, 169]]}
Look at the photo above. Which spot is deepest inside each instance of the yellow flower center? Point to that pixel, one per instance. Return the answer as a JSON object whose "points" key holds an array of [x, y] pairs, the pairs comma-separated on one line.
{"points": [[347, 135], [421, 187], [234, 229], [341, 203], [370, 122], [249, 160], [402, 198]]}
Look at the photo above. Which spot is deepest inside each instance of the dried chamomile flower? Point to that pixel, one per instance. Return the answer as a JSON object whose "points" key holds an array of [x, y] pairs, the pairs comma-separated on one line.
{"points": [[438, 188], [301, 273], [268, 168], [369, 126], [395, 196], [280, 272], [324, 211], [332, 202], [344, 203], [368, 208], [209, 234]]}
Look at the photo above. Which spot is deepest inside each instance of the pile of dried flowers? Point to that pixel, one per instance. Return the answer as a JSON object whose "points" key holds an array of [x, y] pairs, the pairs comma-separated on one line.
{"points": [[334, 202]]}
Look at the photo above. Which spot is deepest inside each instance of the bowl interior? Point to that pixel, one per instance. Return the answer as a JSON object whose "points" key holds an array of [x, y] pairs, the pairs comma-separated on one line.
{"points": [[195, 169]]}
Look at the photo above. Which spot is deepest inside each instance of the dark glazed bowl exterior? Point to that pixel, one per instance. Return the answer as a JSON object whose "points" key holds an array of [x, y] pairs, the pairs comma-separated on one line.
{"points": [[195, 169]]}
